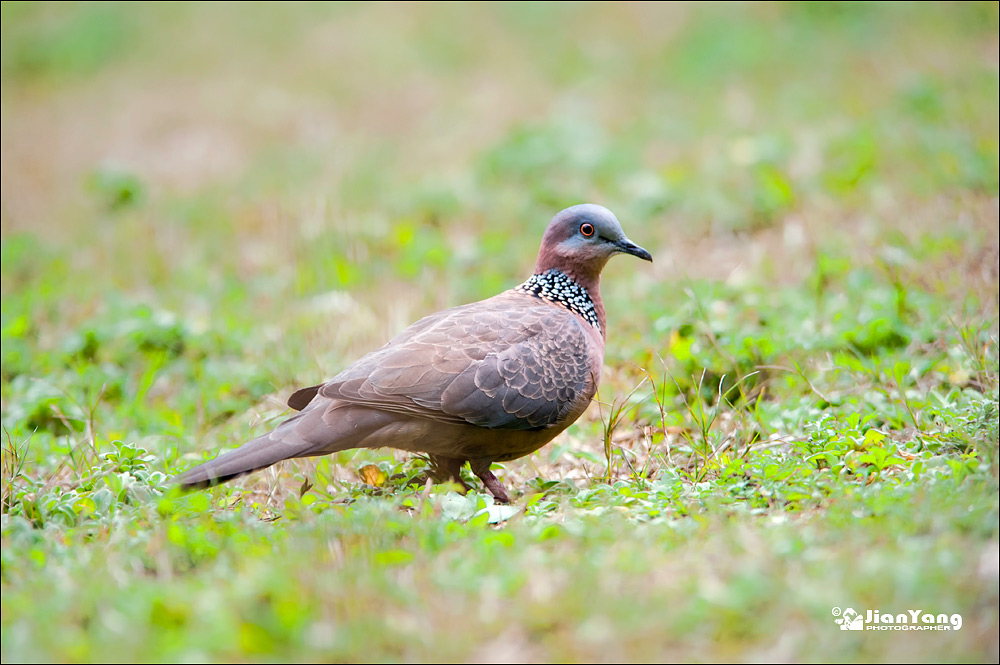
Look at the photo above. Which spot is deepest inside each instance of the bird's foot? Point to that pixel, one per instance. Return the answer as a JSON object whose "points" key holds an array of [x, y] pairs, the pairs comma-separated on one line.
{"points": [[447, 469], [482, 469]]}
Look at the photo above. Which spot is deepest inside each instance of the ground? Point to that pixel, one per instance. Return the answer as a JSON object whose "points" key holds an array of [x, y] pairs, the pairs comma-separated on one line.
{"points": [[206, 206]]}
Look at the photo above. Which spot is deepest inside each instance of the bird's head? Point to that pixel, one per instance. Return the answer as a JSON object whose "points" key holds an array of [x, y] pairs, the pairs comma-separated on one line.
{"points": [[580, 240]]}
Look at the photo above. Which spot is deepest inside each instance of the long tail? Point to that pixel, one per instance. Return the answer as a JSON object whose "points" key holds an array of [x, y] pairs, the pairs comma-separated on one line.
{"points": [[254, 455]]}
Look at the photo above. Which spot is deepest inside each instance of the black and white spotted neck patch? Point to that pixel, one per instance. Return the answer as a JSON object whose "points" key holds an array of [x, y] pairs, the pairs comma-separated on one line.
{"points": [[556, 286]]}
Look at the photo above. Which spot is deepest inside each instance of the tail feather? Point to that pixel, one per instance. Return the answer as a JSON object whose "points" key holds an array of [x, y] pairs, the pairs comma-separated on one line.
{"points": [[306, 434], [260, 453]]}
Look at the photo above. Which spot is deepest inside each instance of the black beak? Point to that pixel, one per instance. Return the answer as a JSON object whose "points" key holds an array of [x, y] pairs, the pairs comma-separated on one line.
{"points": [[627, 246]]}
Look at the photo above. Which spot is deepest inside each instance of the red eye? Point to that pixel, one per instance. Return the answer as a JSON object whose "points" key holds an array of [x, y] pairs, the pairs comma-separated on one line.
{"points": [[587, 230]]}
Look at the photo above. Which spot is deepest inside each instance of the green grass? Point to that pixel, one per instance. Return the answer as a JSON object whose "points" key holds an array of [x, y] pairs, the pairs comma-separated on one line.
{"points": [[205, 206]]}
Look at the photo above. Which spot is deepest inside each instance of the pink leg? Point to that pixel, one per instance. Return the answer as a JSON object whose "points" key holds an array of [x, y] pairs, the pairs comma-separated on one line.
{"points": [[447, 468], [481, 468]]}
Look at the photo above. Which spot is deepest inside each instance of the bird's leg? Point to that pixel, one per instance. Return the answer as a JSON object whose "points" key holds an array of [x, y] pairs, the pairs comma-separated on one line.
{"points": [[481, 467], [444, 469]]}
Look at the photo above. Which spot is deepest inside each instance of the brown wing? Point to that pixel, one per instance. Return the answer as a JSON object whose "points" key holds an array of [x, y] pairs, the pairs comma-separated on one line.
{"points": [[300, 398], [516, 367]]}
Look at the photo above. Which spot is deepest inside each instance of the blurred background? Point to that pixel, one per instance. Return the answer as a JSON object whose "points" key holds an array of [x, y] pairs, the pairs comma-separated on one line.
{"points": [[305, 179], [205, 205], [379, 161]]}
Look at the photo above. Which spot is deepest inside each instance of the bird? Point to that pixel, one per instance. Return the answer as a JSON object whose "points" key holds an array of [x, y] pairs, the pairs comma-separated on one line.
{"points": [[490, 381]]}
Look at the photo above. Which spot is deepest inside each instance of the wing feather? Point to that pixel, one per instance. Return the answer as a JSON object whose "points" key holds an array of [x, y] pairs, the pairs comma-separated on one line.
{"points": [[502, 367]]}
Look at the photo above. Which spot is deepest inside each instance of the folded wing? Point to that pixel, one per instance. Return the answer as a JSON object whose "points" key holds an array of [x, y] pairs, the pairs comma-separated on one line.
{"points": [[500, 368]]}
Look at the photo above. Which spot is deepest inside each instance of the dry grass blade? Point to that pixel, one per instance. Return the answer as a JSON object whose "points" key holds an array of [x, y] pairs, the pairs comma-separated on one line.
{"points": [[615, 411]]}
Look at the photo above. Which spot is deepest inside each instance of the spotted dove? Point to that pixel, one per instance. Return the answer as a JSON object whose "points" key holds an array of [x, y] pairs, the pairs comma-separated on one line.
{"points": [[486, 382]]}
